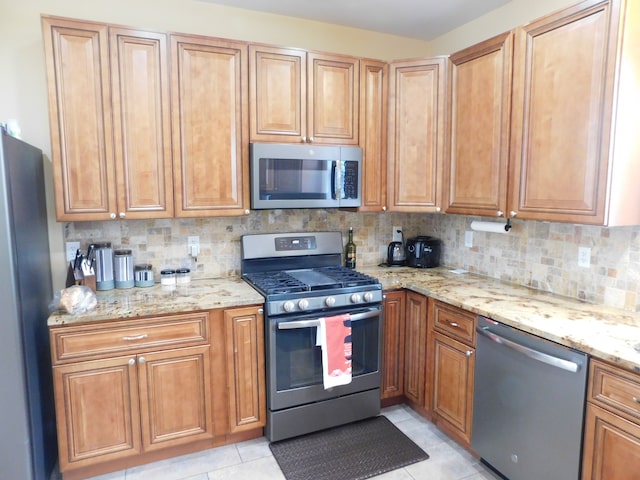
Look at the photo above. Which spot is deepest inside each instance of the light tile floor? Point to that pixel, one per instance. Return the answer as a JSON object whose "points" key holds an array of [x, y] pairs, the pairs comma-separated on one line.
{"points": [[252, 460]]}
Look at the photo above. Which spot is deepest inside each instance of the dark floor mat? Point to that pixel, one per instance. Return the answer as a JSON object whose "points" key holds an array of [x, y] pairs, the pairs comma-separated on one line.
{"points": [[350, 452]]}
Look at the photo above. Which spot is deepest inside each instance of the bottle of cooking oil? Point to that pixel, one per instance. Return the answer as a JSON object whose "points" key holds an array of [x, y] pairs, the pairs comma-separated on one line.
{"points": [[350, 251]]}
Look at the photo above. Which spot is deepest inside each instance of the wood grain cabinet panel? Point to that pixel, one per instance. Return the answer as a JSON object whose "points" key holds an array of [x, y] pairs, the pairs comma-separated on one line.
{"points": [[478, 128], [415, 348], [78, 83], [393, 345], [374, 79], [210, 121], [97, 411], [244, 332], [142, 129], [297, 96], [612, 424], [416, 135], [573, 153]]}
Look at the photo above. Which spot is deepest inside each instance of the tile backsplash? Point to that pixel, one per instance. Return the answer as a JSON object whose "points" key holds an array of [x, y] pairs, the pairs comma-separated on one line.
{"points": [[540, 255]]}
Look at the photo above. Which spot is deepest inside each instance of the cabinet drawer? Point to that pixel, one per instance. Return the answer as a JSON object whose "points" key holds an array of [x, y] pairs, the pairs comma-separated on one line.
{"points": [[615, 389], [109, 338], [455, 322]]}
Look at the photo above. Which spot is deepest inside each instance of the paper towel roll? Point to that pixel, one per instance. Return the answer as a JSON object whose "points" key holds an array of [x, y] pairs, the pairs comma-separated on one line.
{"points": [[493, 227]]}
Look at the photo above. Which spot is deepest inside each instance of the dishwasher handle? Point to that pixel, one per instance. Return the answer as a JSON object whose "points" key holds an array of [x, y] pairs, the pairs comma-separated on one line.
{"points": [[530, 352]]}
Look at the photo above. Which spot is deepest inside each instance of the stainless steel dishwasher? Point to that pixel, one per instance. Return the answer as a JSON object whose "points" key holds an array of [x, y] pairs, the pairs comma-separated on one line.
{"points": [[528, 405]]}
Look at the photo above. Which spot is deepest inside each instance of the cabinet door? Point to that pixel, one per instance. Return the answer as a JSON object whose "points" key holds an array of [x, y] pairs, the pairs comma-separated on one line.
{"points": [[97, 411], [77, 62], [478, 131], [453, 385], [560, 106], [416, 135], [373, 134], [333, 99], [244, 332], [611, 446], [142, 130], [175, 397], [415, 348], [393, 345], [209, 119], [277, 94]]}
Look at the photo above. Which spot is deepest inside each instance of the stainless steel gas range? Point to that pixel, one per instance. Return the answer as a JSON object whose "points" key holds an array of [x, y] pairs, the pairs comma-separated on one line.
{"points": [[301, 277]]}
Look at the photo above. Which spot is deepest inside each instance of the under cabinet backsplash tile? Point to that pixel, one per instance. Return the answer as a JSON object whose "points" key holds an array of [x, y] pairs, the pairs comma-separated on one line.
{"points": [[541, 255]]}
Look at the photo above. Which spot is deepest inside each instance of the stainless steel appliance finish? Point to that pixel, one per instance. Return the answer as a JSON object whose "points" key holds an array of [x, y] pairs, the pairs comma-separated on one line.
{"points": [[104, 266], [28, 446], [528, 407], [123, 268], [305, 176], [301, 277]]}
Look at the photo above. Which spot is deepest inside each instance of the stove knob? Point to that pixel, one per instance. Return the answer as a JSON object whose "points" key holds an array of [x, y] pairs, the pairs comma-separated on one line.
{"points": [[329, 301], [368, 297], [356, 298], [303, 304], [288, 306]]}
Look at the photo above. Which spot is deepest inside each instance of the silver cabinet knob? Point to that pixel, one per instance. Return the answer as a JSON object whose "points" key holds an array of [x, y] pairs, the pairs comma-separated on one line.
{"points": [[310, 139], [384, 208], [112, 216], [438, 209], [142, 360], [304, 139], [500, 213], [468, 353], [131, 362], [122, 215], [260, 311], [513, 213], [247, 211]]}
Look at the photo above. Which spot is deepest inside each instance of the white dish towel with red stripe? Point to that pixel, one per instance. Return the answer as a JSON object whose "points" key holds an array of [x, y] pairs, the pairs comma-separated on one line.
{"points": [[334, 336]]}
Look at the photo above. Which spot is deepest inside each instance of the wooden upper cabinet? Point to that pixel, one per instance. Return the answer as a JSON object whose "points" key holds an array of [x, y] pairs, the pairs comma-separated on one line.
{"points": [[478, 128], [416, 135], [297, 96], [109, 115], [142, 130], [210, 128], [78, 83], [574, 149], [373, 134]]}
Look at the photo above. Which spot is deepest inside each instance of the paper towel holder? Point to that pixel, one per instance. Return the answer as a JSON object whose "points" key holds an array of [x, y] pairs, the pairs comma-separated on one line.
{"points": [[494, 227]]}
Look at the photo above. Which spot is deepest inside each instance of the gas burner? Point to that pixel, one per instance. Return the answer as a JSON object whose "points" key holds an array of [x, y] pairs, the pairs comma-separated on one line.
{"points": [[272, 283]]}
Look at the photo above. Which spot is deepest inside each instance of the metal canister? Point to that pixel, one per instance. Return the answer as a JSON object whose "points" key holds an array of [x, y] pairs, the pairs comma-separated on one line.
{"points": [[104, 265], [123, 268], [143, 275]]}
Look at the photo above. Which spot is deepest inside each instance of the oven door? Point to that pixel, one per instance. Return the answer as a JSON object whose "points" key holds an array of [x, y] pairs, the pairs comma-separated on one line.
{"points": [[294, 358]]}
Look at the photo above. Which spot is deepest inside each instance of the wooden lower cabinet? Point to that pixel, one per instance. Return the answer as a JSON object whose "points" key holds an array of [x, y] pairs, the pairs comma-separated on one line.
{"points": [[244, 333], [393, 346], [612, 424], [134, 391], [415, 349]]}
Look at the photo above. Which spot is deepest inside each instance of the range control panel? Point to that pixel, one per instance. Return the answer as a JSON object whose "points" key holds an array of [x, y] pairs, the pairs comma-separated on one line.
{"points": [[287, 244]]}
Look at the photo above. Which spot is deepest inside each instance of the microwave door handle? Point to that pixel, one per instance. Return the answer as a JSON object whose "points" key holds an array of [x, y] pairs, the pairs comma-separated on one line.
{"points": [[334, 180], [316, 322]]}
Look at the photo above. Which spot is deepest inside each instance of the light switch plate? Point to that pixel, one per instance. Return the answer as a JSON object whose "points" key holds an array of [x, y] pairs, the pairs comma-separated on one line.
{"points": [[71, 248], [468, 238]]}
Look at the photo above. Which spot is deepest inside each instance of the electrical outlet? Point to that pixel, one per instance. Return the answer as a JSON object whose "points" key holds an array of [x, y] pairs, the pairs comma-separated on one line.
{"points": [[468, 238], [71, 248], [584, 257], [396, 234]]}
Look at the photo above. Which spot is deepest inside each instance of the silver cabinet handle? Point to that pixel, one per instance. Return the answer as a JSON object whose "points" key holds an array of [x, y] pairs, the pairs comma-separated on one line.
{"points": [[636, 399], [128, 338], [131, 362], [453, 324], [530, 352], [316, 322], [142, 360]]}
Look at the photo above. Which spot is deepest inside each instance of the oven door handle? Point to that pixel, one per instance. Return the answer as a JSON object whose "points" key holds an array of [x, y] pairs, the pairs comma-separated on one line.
{"points": [[316, 322]]}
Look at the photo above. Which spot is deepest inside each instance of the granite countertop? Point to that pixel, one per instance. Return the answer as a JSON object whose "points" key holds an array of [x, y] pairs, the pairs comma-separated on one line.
{"points": [[158, 300], [607, 333], [604, 332]]}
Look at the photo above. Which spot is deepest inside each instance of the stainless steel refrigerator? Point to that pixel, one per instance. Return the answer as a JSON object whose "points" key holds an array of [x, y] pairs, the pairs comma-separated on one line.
{"points": [[28, 448]]}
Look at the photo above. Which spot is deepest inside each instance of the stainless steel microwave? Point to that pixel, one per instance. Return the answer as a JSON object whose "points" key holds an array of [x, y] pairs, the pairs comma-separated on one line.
{"points": [[305, 176]]}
